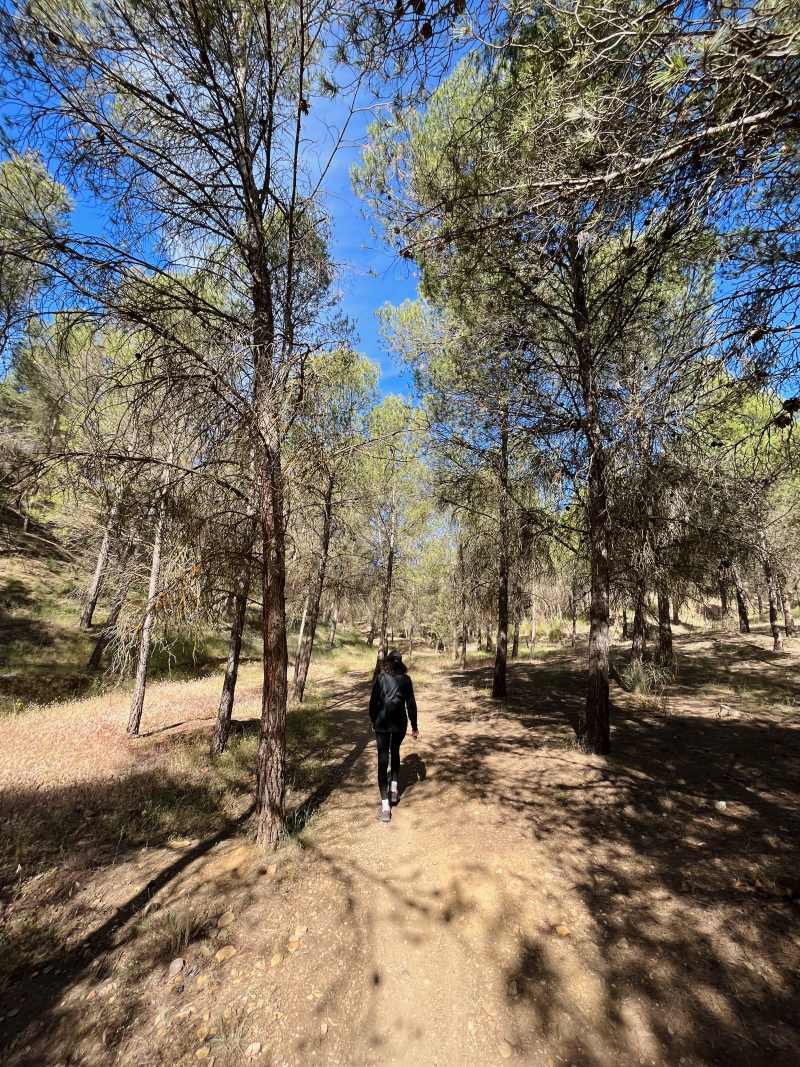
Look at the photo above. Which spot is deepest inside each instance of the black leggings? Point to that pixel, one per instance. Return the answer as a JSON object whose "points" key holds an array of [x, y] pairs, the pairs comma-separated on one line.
{"points": [[388, 744]]}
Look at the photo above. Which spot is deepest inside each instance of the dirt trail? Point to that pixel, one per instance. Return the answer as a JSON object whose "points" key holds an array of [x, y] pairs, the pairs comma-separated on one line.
{"points": [[426, 891], [527, 903], [531, 904]]}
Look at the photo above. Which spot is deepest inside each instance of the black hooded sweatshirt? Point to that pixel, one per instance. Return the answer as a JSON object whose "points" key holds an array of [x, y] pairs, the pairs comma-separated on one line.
{"points": [[392, 697]]}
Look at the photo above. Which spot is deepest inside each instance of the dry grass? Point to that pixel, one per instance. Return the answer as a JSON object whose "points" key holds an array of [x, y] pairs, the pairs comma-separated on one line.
{"points": [[118, 856], [78, 795], [90, 817], [43, 653]]}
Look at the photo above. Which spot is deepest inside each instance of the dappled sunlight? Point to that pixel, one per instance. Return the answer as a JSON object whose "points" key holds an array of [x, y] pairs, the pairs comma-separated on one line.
{"points": [[114, 874], [399, 374], [534, 904], [635, 909]]}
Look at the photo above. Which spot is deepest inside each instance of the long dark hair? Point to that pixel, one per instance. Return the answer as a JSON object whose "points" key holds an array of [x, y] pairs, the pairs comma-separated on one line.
{"points": [[393, 663]]}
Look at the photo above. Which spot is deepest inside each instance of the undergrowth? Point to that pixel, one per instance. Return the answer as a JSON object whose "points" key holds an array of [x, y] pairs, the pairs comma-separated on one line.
{"points": [[649, 679]]}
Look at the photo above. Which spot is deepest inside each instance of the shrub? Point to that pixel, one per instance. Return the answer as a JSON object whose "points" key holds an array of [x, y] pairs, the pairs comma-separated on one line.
{"points": [[639, 676]]}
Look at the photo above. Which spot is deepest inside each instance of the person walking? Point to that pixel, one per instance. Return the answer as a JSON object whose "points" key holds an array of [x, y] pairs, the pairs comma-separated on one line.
{"points": [[391, 706]]}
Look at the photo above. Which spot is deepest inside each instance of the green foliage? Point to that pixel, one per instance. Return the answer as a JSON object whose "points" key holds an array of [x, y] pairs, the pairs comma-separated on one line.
{"points": [[33, 210]]}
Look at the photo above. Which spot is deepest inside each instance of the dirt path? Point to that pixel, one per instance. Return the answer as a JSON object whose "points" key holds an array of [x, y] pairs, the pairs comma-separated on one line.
{"points": [[425, 892], [527, 903], [469, 924], [535, 905]]}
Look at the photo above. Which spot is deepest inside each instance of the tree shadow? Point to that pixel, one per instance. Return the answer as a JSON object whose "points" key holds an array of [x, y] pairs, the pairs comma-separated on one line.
{"points": [[163, 820], [15, 595], [676, 858], [687, 872], [45, 957], [346, 707]]}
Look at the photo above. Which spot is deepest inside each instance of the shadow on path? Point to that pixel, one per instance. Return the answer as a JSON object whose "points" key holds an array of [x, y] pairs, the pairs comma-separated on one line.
{"points": [[645, 909], [682, 847]]}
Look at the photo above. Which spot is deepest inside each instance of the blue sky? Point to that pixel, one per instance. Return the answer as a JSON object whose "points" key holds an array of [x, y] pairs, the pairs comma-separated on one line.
{"points": [[371, 272]]}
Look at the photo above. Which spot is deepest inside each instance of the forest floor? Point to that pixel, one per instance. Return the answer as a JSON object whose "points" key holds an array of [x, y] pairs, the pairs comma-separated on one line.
{"points": [[527, 903]]}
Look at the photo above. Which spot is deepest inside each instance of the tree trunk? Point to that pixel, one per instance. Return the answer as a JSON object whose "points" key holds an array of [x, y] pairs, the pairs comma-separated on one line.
{"points": [[219, 738], [300, 634], [137, 703], [109, 629], [334, 624], [463, 576], [594, 722], [480, 640], [675, 612], [532, 643], [788, 619], [93, 592], [624, 624], [500, 681], [759, 604], [372, 633], [268, 400], [665, 654], [386, 599], [741, 602], [573, 607], [387, 592], [777, 640], [515, 639], [271, 755], [639, 638], [499, 686], [306, 645], [772, 594]]}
